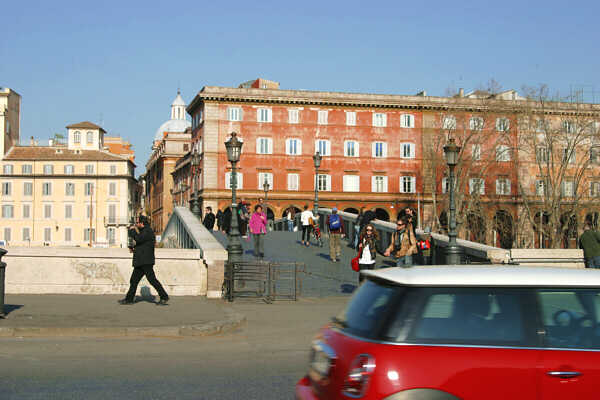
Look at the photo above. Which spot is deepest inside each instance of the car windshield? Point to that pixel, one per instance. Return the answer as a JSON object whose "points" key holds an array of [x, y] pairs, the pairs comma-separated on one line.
{"points": [[366, 307]]}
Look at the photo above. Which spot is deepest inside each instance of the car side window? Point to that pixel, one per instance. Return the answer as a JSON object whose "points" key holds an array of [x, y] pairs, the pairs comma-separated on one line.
{"points": [[479, 316], [571, 318]]}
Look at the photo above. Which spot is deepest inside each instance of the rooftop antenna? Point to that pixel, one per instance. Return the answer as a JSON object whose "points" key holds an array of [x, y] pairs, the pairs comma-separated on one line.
{"points": [[102, 120]]}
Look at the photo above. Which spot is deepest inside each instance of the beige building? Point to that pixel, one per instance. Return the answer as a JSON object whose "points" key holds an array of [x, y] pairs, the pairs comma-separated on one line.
{"points": [[73, 195], [10, 119]]}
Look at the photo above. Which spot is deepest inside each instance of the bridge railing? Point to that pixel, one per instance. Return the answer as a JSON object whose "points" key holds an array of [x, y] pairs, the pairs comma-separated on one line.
{"points": [[185, 231]]}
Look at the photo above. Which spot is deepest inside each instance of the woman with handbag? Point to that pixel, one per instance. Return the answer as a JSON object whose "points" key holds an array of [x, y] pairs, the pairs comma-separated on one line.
{"points": [[257, 225], [368, 247]]}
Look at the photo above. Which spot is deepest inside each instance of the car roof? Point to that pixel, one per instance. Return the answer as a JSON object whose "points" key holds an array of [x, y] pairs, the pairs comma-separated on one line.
{"points": [[458, 275]]}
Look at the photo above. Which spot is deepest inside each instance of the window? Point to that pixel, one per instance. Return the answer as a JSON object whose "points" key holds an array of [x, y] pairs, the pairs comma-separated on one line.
{"points": [[69, 169], [594, 156], [7, 234], [86, 235], [111, 236], [229, 180], [293, 147], [88, 189], [293, 182], [351, 148], [503, 187], [7, 211], [568, 155], [324, 182], [351, 118], [408, 184], [112, 213], [541, 155], [26, 169], [112, 188], [26, 236], [476, 185], [323, 147], [264, 146], [379, 120], [476, 152], [89, 137], [89, 211], [379, 183], [540, 187], [47, 211], [568, 126], [69, 189], [235, 114], [502, 124], [48, 169], [379, 150], [407, 121], [293, 116], [264, 115], [322, 117], [407, 150], [6, 188], [77, 137], [68, 211], [113, 167], [89, 169], [68, 234], [594, 188], [262, 177], [351, 183], [449, 122], [567, 188], [26, 211], [47, 234], [476, 123], [7, 169], [502, 153], [47, 189]]}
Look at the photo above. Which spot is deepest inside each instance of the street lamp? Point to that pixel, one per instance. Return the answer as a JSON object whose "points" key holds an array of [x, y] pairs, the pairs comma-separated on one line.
{"points": [[453, 250], [317, 159], [195, 162], [234, 244]]}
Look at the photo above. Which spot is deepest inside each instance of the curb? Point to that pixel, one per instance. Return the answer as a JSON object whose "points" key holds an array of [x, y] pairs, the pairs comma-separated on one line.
{"points": [[232, 322]]}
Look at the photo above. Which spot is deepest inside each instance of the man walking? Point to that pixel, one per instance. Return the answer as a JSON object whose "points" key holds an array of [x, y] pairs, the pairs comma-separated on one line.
{"points": [[209, 219], [369, 217], [403, 243], [336, 232], [589, 241], [143, 261]]}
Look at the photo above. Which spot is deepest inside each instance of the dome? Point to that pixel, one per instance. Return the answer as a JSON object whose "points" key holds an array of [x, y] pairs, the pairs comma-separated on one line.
{"points": [[174, 125], [178, 101]]}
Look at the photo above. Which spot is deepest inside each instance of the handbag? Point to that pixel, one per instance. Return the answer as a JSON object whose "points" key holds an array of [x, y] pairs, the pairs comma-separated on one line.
{"points": [[354, 263]]}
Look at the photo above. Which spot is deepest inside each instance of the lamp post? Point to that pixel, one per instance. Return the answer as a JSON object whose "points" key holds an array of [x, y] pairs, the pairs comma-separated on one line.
{"points": [[234, 244], [453, 250], [317, 159], [195, 162]]}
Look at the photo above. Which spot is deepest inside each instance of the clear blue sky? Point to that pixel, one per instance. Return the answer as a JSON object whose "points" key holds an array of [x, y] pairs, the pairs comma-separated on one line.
{"points": [[74, 61]]}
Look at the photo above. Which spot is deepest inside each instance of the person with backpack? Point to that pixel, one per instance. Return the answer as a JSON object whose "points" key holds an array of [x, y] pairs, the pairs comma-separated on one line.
{"points": [[427, 247], [335, 224], [403, 244]]}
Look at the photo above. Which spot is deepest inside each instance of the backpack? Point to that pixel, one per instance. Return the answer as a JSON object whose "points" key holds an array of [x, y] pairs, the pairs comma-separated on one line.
{"points": [[334, 222], [425, 245]]}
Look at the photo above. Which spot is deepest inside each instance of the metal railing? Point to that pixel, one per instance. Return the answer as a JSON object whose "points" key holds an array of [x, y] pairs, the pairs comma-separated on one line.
{"points": [[183, 230]]}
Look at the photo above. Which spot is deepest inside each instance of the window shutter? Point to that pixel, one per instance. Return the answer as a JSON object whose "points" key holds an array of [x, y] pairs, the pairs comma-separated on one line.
{"points": [[356, 147], [444, 185], [374, 149], [385, 184], [240, 180], [328, 183], [373, 184], [257, 145], [270, 144], [299, 147], [287, 146], [412, 150], [413, 184], [384, 150], [240, 114], [345, 183]]}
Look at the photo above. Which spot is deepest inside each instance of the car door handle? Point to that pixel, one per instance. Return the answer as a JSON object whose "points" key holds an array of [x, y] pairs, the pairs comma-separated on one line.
{"points": [[564, 374]]}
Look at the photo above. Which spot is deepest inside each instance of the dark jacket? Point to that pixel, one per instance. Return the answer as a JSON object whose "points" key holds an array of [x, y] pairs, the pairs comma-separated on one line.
{"points": [[219, 218], [226, 226], [376, 244], [589, 241], [367, 218], [209, 220], [143, 250]]}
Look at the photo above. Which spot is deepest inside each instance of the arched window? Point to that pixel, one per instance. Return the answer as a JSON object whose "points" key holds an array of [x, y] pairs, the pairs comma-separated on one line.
{"points": [[77, 137], [89, 137]]}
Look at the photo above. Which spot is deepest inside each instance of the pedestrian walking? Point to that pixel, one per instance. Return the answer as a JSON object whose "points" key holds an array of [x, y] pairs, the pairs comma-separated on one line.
{"points": [[411, 219], [589, 241], [357, 225], [403, 244], [369, 217], [244, 217], [209, 219], [335, 224], [368, 246], [219, 220], [258, 229], [291, 217], [427, 247], [143, 261], [305, 218]]}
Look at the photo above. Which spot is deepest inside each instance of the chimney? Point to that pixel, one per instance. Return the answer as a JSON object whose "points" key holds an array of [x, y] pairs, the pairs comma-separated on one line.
{"points": [[32, 142], [461, 92]]}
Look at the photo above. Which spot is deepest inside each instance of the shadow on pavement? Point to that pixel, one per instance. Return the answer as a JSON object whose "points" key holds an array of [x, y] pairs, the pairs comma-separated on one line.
{"points": [[8, 308]]}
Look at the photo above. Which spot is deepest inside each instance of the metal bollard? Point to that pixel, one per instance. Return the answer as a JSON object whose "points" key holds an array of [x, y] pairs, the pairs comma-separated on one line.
{"points": [[2, 267]]}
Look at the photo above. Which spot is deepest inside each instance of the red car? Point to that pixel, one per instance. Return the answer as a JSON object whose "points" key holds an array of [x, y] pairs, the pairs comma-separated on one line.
{"points": [[469, 333]]}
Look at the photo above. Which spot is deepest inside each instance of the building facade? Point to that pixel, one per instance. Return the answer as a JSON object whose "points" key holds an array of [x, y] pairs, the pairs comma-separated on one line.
{"points": [[10, 119]]}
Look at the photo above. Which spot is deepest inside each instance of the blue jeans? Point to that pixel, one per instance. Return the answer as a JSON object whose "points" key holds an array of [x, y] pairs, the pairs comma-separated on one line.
{"points": [[290, 225], [357, 229], [593, 262], [404, 261]]}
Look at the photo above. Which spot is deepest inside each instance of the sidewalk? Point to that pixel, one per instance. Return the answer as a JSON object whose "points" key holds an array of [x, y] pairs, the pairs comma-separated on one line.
{"points": [[53, 315]]}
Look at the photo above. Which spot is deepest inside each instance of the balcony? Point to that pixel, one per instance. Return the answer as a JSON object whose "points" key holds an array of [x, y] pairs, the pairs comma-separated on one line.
{"points": [[116, 221]]}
